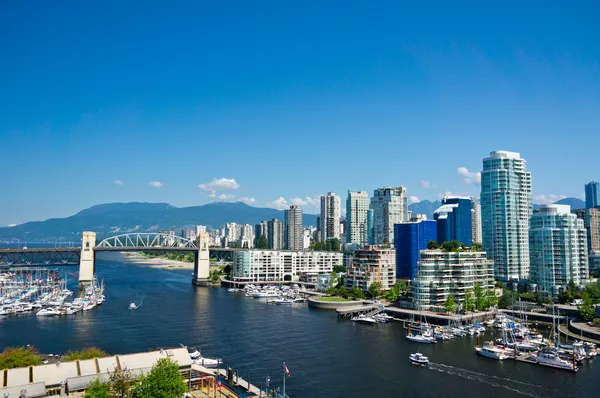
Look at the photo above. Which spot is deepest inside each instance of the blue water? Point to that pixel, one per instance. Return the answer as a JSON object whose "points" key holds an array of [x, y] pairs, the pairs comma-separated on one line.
{"points": [[326, 356]]}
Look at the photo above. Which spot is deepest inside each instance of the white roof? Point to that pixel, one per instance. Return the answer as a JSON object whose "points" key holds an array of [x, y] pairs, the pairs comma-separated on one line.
{"points": [[556, 209], [505, 154], [33, 390]]}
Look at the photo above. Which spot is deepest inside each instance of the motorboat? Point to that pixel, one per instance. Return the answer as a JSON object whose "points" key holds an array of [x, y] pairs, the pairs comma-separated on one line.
{"points": [[365, 319], [133, 306], [423, 338], [490, 350], [265, 294], [47, 312], [281, 301], [198, 359], [418, 359], [551, 358], [232, 290]]}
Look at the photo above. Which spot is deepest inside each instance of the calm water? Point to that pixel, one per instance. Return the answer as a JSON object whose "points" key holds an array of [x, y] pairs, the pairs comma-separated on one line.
{"points": [[327, 357]]}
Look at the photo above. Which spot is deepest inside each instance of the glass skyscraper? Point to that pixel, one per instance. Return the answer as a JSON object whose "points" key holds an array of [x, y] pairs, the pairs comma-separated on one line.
{"points": [[454, 220], [592, 194], [409, 239], [506, 207]]}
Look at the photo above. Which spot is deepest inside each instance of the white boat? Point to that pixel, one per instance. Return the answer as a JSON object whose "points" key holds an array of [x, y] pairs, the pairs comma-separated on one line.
{"points": [[418, 359], [198, 359], [132, 306], [47, 312], [89, 306], [489, 350], [550, 358], [364, 319], [281, 301], [265, 293], [232, 290], [420, 338]]}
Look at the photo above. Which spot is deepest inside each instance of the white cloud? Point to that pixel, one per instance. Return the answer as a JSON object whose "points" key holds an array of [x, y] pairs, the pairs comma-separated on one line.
{"points": [[225, 196], [220, 184], [414, 199], [119, 183], [246, 200], [156, 184], [280, 204], [469, 177], [442, 195], [298, 201], [547, 199], [314, 201], [425, 184]]}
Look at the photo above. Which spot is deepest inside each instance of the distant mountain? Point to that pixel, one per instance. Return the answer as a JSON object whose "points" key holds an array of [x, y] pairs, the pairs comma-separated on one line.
{"points": [[425, 207], [116, 218], [575, 203]]}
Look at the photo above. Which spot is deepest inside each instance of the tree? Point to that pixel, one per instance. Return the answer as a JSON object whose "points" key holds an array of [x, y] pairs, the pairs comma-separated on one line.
{"points": [[98, 390], [391, 295], [433, 245], [478, 296], [451, 246], [342, 291], [356, 292], [375, 289], [586, 310], [476, 247], [163, 381], [19, 357], [499, 285], [450, 304], [339, 269], [491, 300], [331, 291], [215, 277], [335, 245], [401, 287], [507, 299], [227, 269], [121, 383], [262, 242], [88, 353], [469, 303]]}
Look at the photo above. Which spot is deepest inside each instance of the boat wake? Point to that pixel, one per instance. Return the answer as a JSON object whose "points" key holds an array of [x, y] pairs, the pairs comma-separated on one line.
{"points": [[516, 386]]}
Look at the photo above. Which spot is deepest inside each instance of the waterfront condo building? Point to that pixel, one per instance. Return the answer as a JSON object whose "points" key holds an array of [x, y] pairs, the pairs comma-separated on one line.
{"points": [[357, 208], [558, 249], [455, 220], [293, 229], [329, 222], [390, 207], [371, 264], [443, 273], [476, 220], [506, 207], [594, 263], [591, 221], [275, 234], [277, 265], [592, 194], [409, 239]]}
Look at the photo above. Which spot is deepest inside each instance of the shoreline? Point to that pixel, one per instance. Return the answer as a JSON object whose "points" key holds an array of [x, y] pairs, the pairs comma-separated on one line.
{"points": [[156, 262]]}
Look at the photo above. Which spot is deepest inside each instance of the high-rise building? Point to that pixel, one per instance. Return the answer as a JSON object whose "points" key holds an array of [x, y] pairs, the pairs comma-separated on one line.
{"points": [[591, 222], [246, 236], [357, 208], [592, 194], [330, 217], [261, 229], [558, 249], [506, 207], [390, 207], [476, 220], [409, 239], [371, 264], [294, 235], [442, 274], [371, 227], [455, 220], [275, 235]]}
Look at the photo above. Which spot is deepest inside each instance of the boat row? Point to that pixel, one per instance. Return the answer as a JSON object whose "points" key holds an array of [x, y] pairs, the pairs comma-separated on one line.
{"points": [[280, 295], [373, 319]]}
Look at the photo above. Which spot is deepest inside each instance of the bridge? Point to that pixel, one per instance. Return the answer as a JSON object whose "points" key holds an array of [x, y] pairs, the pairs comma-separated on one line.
{"points": [[85, 256]]}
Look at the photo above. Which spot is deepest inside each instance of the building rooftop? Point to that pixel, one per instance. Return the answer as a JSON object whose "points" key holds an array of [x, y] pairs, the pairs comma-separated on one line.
{"points": [[555, 209], [505, 155]]}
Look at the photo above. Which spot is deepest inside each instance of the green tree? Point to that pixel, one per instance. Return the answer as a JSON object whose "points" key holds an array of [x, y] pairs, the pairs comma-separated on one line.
{"points": [[586, 310], [476, 247], [335, 245], [433, 245], [227, 269], [401, 287], [122, 382], [163, 381], [375, 289], [491, 300], [356, 292], [97, 389], [507, 299], [450, 304], [339, 269], [342, 291], [391, 295], [88, 353], [19, 357], [262, 242], [215, 277], [499, 285], [478, 291], [331, 291], [469, 303]]}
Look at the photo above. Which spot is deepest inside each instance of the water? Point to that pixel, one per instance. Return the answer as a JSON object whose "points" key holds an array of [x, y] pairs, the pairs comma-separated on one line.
{"points": [[326, 356]]}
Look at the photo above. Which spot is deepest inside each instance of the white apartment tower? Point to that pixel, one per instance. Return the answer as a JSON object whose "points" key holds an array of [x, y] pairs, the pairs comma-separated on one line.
{"points": [[476, 220], [357, 207], [329, 223], [275, 234], [294, 230], [390, 206], [558, 249], [506, 207]]}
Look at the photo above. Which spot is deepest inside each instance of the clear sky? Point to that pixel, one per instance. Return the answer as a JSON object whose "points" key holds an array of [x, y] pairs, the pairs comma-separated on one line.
{"points": [[275, 102]]}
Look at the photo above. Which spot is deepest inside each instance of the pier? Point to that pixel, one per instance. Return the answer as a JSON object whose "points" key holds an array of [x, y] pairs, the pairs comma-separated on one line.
{"points": [[365, 310]]}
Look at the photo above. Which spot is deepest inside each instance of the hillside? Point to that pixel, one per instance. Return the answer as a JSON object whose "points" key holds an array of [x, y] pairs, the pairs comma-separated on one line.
{"points": [[114, 218]]}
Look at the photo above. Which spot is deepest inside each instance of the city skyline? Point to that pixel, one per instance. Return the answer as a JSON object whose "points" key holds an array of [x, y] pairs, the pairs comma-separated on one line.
{"points": [[95, 118]]}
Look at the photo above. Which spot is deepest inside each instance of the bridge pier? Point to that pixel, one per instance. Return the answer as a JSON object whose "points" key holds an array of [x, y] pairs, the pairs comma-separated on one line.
{"points": [[201, 261], [87, 260]]}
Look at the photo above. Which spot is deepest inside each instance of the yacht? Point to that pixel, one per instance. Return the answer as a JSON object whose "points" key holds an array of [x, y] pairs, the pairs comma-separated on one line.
{"points": [[280, 301], [265, 293], [490, 350], [364, 319], [47, 312], [424, 338], [551, 358], [418, 359], [198, 359]]}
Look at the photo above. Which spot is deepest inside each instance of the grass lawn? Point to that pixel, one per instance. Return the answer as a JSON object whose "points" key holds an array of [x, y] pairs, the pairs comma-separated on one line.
{"points": [[332, 299]]}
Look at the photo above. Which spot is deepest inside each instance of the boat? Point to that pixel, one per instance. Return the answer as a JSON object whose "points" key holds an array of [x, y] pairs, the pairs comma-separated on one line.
{"points": [[132, 306], [265, 294], [490, 350], [421, 338], [364, 319], [198, 359], [280, 301], [418, 359], [47, 312], [551, 358]]}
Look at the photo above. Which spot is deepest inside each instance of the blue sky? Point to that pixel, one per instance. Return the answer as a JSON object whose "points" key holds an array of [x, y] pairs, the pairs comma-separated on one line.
{"points": [[277, 102]]}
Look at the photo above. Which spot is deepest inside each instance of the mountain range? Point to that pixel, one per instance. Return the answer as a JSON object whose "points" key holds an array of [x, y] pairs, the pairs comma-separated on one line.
{"points": [[117, 218]]}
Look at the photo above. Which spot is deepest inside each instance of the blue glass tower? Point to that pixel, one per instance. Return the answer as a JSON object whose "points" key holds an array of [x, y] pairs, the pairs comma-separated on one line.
{"points": [[592, 195], [454, 220], [409, 239]]}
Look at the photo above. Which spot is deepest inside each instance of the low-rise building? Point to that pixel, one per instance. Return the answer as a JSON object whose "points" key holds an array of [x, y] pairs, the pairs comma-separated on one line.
{"points": [[371, 264], [282, 265], [441, 274]]}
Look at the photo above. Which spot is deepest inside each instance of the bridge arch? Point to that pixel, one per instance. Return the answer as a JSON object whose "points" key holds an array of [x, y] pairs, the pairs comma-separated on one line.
{"points": [[146, 241]]}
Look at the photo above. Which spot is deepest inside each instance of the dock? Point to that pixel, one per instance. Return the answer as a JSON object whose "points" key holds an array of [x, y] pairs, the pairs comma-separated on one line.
{"points": [[365, 310], [526, 358], [241, 387]]}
